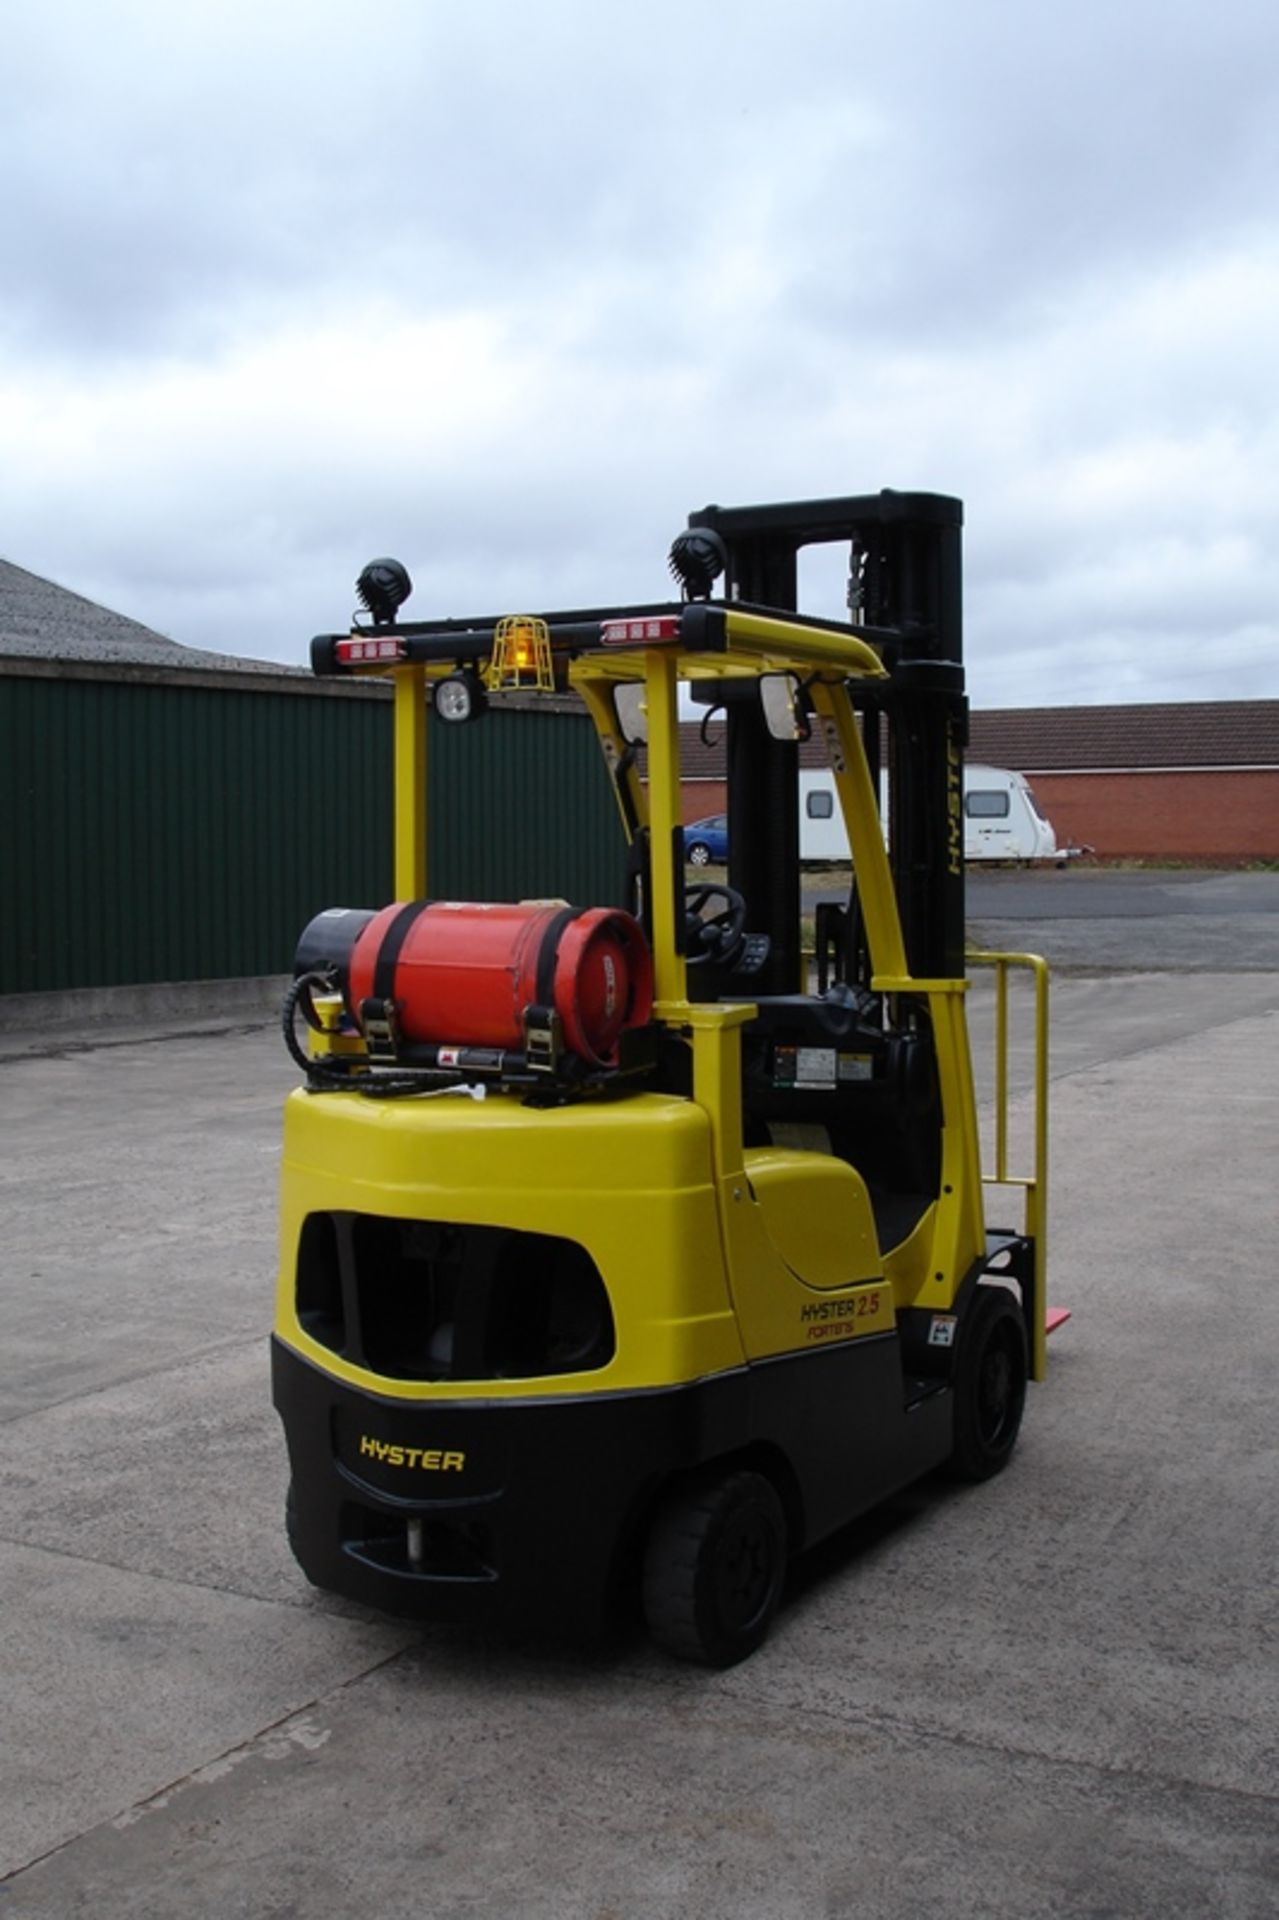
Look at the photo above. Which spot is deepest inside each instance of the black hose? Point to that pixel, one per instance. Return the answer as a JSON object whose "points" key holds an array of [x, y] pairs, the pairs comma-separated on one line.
{"points": [[332, 1076], [322, 1076]]}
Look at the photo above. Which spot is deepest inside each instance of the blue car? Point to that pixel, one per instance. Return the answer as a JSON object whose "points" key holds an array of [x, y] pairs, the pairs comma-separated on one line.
{"points": [[706, 841]]}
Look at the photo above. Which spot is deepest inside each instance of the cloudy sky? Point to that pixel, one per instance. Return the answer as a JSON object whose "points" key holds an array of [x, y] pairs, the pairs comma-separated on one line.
{"points": [[506, 289]]}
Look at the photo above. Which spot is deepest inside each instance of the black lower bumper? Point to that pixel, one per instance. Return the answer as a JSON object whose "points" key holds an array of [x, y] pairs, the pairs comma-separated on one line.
{"points": [[511, 1509], [524, 1509]]}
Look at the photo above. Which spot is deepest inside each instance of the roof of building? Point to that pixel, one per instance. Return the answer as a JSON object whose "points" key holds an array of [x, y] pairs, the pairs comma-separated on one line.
{"points": [[42, 621], [1201, 733], [1193, 733]]}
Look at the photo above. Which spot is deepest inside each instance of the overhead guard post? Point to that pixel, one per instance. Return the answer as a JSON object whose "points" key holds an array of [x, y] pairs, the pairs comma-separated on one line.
{"points": [[410, 783]]}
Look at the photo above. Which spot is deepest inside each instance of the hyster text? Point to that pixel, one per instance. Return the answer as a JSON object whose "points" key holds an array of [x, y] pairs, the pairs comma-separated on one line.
{"points": [[434, 1459]]}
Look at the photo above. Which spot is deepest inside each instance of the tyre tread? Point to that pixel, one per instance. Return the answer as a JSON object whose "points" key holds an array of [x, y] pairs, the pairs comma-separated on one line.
{"points": [[676, 1544], [971, 1461]]}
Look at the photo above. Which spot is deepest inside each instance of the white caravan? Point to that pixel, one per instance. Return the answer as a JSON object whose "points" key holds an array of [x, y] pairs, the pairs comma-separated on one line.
{"points": [[1001, 818]]}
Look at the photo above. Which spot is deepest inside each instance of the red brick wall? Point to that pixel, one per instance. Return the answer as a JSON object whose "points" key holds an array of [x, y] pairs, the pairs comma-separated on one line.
{"points": [[701, 798], [1169, 816], [1152, 816]]}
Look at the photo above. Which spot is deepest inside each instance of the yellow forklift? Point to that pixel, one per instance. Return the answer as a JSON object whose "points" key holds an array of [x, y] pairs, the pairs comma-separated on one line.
{"points": [[635, 1248]]}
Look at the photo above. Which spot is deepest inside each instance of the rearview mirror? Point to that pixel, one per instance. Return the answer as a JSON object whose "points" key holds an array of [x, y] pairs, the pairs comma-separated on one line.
{"points": [[785, 706], [632, 712]]}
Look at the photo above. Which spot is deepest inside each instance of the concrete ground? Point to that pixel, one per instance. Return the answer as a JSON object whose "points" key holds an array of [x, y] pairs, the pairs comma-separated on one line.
{"points": [[1057, 1694]]}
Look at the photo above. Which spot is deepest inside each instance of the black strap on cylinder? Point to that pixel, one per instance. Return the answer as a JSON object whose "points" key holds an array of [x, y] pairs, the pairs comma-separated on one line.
{"points": [[548, 954], [543, 1033], [388, 954], [377, 1015]]}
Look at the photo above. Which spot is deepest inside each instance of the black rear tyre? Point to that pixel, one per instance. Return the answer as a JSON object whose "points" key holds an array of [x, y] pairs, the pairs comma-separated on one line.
{"points": [[990, 1384], [714, 1568]]}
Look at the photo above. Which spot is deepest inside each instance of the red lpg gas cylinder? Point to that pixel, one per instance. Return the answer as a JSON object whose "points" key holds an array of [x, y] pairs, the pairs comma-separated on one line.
{"points": [[463, 973]]}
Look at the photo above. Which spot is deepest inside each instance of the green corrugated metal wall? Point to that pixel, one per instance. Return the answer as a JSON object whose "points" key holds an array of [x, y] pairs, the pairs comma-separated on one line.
{"points": [[158, 832], [520, 807]]}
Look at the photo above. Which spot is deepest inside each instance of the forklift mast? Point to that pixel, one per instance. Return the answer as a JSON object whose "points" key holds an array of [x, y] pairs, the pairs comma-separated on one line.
{"points": [[905, 597]]}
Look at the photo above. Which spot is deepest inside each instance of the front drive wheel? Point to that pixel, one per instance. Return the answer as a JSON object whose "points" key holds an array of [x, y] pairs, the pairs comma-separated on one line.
{"points": [[990, 1384], [714, 1567], [699, 854]]}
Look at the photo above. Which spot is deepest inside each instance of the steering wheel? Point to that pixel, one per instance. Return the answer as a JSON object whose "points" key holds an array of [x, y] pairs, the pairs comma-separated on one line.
{"points": [[713, 937]]}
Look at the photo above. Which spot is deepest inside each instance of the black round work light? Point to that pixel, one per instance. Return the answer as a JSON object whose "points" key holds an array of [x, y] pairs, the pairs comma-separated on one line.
{"points": [[383, 587], [697, 558]]}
